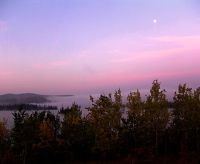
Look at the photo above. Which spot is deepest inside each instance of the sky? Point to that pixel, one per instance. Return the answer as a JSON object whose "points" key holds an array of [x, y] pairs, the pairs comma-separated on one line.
{"points": [[92, 46]]}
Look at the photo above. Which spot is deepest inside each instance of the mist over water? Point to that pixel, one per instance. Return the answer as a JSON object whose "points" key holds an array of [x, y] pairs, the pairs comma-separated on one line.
{"points": [[59, 101], [66, 101], [82, 100]]}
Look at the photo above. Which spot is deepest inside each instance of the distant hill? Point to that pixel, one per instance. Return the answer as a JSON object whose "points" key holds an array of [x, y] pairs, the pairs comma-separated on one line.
{"points": [[24, 98]]}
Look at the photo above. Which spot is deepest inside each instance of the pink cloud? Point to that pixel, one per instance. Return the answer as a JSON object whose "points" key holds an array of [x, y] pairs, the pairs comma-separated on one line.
{"points": [[178, 59], [114, 62], [182, 44]]}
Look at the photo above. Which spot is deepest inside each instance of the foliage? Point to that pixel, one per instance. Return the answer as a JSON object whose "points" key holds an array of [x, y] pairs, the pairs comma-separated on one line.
{"points": [[140, 131], [105, 117], [156, 114], [135, 120], [186, 122]]}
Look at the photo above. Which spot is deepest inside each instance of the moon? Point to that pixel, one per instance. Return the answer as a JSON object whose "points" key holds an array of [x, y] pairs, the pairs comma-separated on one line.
{"points": [[155, 21]]}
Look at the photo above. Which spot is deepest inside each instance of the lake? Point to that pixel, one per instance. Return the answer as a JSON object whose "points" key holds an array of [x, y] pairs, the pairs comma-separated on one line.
{"points": [[59, 101], [65, 101]]}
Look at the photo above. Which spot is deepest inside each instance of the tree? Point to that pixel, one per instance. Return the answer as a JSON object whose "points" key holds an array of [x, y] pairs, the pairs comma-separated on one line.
{"points": [[72, 131], [4, 132], [4, 138], [186, 118], [105, 117], [156, 114], [135, 121]]}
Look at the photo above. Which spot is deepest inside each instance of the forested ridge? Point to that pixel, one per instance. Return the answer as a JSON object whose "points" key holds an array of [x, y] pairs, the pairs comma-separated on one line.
{"points": [[26, 107], [140, 131], [24, 98]]}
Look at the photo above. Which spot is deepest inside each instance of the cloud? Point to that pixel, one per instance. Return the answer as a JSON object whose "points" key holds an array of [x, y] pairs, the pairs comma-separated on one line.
{"points": [[162, 47], [116, 61], [186, 40], [129, 54]]}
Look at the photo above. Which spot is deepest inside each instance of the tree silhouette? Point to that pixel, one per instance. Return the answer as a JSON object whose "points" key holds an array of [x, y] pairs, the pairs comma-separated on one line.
{"points": [[156, 114], [105, 117], [186, 122]]}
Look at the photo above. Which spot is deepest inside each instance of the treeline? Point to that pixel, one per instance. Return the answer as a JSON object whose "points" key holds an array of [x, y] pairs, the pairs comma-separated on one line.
{"points": [[150, 132], [26, 107]]}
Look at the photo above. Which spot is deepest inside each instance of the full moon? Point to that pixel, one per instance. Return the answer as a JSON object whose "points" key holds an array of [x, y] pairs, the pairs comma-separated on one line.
{"points": [[155, 21]]}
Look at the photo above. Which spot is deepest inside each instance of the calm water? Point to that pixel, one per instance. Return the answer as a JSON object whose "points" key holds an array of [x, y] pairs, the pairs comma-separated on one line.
{"points": [[63, 101], [59, 101]]}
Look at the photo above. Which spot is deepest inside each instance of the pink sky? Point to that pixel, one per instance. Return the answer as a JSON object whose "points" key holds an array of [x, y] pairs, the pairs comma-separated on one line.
{"points": [[81, 49]]}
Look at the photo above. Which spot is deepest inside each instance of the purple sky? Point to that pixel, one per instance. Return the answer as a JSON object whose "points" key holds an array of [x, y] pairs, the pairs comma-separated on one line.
{"points": [[89, 46]]}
